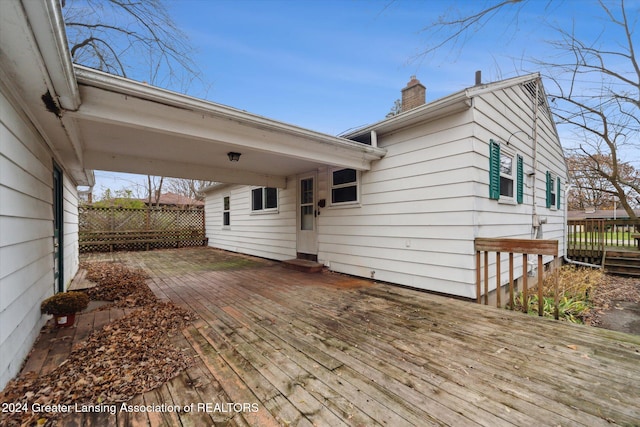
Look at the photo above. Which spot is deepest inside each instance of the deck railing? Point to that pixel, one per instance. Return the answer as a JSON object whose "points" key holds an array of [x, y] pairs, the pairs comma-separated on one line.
{"points": [[588, 238], [524, 247]]}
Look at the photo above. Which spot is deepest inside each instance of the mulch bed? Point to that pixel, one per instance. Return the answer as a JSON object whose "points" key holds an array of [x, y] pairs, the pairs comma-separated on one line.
{"points": [[127, 357]]}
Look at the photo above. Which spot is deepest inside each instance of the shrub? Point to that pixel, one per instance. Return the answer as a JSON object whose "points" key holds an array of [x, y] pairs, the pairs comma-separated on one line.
{"points": [[575, 284], [65, 303]]}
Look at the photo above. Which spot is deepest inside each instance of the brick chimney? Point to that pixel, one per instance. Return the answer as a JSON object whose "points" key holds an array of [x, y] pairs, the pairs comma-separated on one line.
{"points": [[413, 95]]}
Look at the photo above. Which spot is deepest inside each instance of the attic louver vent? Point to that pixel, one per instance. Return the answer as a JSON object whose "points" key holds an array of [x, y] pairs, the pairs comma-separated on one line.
{"points": [[531, 88]]}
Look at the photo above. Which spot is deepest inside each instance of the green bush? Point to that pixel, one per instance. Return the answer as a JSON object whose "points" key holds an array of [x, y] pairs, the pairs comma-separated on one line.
{"points": [[573, 310], [574, 287]]}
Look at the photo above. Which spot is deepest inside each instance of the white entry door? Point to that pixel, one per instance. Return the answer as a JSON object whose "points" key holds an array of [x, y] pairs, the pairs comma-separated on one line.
{"points": [[307, 228]]}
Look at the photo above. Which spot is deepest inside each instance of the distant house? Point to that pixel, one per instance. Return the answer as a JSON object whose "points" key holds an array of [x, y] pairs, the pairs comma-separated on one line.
{"points": [[483, 162], [174, 200], [600, 214]]}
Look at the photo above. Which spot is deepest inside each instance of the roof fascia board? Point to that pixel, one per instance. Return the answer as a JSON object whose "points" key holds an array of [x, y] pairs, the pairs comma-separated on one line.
{"points": [[47, 25], [180, 123], [26, 33], [451, 104], [94, 78], [215, 186], [502, 84]]}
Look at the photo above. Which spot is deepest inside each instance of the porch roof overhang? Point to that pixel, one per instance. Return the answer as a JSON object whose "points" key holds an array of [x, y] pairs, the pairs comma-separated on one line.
{"points": [[37, 74], [127, 126]]}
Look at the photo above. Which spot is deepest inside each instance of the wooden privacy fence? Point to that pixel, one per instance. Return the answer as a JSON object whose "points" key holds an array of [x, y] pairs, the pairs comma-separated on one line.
{"points": [[114, 228], [524, 247]]}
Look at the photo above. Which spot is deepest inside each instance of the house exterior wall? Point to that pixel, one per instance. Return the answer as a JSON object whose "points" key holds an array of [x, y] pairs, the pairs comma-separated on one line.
{"points": [[26, 234], [71, 250], [507, 115], [269, 234], [420, 207], [415, 216]]}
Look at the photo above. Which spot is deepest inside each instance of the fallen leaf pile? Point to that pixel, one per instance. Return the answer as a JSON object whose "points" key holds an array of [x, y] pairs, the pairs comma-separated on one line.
{"points": [[124, 286], [128, 356], [611, 289]]}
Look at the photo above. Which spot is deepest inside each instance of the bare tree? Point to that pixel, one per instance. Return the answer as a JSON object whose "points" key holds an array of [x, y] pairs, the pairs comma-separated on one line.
{"points": [[595, 88], [154, 189], [119, 36], [190, 188], [396, 109], [590, 188]]}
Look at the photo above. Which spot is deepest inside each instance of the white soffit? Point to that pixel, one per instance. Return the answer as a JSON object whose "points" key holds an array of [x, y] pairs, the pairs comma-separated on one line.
{"points": [[131, 127]]}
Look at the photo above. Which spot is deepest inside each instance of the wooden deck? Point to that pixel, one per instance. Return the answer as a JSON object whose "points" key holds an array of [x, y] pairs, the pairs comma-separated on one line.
{"points": [[293, 348]]}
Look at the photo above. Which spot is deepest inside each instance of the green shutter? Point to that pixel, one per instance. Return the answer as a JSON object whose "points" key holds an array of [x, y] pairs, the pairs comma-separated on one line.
{"points": [[520, 173], [549, 187], [558, 194], [494, 170]]}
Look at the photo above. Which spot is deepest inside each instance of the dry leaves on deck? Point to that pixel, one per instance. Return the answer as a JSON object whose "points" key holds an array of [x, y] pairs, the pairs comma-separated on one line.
{"points": [[126, 357], [126, 287]]}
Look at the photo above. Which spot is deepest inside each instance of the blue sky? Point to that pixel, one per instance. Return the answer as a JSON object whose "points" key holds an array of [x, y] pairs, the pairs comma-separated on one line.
{"points": [[332, 65]]}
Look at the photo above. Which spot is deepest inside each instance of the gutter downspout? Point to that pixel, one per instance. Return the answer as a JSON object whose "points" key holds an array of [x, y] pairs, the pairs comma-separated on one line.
{"points": [[564, 235], [535, 222]]}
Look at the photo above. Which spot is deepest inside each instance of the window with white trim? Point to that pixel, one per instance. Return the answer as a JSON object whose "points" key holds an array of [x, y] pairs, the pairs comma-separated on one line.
{"points": [[226, 211], [554, 187], [344, 186], [506, 174], [264, 199]]}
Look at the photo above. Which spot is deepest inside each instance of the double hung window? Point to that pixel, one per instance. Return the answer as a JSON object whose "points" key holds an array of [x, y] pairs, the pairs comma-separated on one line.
{"points": [[554, 186], [344, 186], [506, 174], [264, 199], [226, 211]]}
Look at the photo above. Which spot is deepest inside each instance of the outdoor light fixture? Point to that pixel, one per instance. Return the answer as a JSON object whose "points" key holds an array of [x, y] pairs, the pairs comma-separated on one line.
{"points": [[233, 156]]}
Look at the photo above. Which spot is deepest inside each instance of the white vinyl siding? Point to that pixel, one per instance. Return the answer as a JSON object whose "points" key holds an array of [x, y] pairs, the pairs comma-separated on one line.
{"points": [[422, 205], [26, 235], [414, 224], [71, 253], [269, 236], [507, 115]]}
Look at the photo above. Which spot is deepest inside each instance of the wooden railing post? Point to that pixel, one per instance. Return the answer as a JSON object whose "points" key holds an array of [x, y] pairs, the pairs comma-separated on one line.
{"points": [[525, 274], [540, 280], [486, 278], [478, 275], [556, 281], [511, 303], [511, 246], [498, 285]]}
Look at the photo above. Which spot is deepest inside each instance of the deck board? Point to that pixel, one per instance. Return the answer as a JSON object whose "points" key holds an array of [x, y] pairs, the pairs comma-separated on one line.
{"points": [[416, 354], [328, 349]]}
